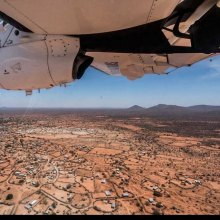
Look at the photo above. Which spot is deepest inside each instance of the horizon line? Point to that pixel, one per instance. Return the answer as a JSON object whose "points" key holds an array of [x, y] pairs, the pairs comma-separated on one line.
{"points": [[5, 107]]}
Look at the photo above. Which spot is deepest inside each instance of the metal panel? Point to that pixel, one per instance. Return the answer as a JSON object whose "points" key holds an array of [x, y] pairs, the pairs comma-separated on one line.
{"points": [[62, 52], [4, 35], [85, 16], [161, 9], [132, 66], [24, 67], [179, 60]]}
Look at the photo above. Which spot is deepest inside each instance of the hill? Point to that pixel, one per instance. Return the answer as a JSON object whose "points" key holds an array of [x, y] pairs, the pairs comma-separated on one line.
{"points": [[136, 108], [166, 108]]}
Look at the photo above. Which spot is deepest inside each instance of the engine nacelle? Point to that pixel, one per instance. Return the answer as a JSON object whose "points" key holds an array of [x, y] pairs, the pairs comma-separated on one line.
{"points": [[29, 61]]}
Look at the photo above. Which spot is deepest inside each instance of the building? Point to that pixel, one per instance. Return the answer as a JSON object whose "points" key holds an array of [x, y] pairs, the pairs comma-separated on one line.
{"points": [[113, 205], [33, 203], [151, 200], [197, 181], [17, 173], [125, 194], [28, 207], [107, 193], [103, 181]]}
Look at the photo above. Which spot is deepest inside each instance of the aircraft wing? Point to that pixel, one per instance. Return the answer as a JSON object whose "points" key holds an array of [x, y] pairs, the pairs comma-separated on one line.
{"points": [[134, 66], [85, 16], [46, 43]]}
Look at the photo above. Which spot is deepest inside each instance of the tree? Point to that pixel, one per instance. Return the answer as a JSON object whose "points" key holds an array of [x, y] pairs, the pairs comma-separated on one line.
{"points": [[21, 181], [7, 146], [159, 205], [9, 197], [158, 194], [37, 184], [68, 186], [22, 141], [156, 212], [54, 205], [97, 208], [147, 203]]}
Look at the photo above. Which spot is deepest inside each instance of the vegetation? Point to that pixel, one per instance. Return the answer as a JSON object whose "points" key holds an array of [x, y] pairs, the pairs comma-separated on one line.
{"points": [[156, 212], [157, 193], [9, 197]]}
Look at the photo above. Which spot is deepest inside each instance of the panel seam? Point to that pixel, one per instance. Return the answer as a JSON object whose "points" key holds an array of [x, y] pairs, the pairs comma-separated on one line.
{"points": [[150, 12], [48, 64], [12, 6]]}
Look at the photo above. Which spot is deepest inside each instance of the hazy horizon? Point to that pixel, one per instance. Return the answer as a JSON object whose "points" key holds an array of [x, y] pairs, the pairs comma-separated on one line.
{"points": [[3, 107]]}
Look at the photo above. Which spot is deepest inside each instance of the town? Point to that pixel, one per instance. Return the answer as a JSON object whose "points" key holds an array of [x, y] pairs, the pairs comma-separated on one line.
{"points": [[94, 163]]}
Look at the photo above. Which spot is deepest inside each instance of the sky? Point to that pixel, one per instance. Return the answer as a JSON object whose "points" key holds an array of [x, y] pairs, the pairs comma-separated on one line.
{"points": [[187, 86]]}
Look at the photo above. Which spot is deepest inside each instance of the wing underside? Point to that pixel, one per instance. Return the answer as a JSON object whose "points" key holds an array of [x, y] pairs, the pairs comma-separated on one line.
{"points": [[134, 66], [85, 16], [129, 38]]}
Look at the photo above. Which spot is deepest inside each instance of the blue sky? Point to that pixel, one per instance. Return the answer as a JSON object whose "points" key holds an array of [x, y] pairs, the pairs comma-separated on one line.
{"points": [[199, 84]]}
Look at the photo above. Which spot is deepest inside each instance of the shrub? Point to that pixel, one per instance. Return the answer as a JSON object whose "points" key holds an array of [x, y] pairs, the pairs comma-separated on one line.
{"points": [[21, 181], [54, 205], [158, 194], [9, 197], [68, 186], [7, 146], [37, 184], [147, 203], [156, 212], [159, 205]]}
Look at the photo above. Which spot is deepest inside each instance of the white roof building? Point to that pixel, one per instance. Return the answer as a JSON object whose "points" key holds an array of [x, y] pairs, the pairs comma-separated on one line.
{"points": [[198, 181], [155, 188], [113, 205], [27, 206], [33, 203], [103, 181], [125, 194], [107, 193], [151, 200]]}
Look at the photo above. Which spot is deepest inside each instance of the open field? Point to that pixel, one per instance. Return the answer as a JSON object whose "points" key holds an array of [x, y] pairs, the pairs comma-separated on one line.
{"points": [[109, 162]]}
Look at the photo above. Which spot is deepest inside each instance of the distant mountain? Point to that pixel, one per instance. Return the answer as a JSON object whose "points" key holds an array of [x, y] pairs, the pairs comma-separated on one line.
{"points": [[162, 108], [173, 111], [176, 108], [204, 108], [136, 108], [166, 108]]}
